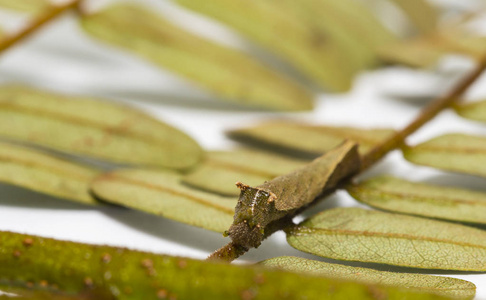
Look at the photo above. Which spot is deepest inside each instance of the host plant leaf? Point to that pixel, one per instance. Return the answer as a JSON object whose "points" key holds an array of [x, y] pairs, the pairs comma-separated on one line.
{"points": [[274, 199], [93, 128], [161, 193], [31, 6], [222, 169], [228, 73], [421, 52], [356, 234], [422, 14], [453, 152], [426, 51], [444, 286], [474, 111], [102, 272], [38, 171], [307, 139], [315, 52], [425, 200]]}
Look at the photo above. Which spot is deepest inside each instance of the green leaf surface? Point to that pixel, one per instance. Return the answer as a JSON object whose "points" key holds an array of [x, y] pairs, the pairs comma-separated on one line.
{"points": [[355, 234], [93, 128], [228, 73], [310, 44], [452, 152], [474, 111], [420, 199], [162, 193], [444, 286], [299, 138], [102, 272], [258, 207], [222, 169], [426, 51], [30, 6], [41, 172], [420, 52], [421, 13]]}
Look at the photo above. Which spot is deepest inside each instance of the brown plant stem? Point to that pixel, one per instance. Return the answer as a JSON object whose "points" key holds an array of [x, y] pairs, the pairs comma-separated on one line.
{"points": [[427, 114], [49, 15], [231, 251]]}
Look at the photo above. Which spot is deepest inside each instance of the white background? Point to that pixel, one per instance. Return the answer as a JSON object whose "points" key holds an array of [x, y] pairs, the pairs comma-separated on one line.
{"points": [[62, 58]]}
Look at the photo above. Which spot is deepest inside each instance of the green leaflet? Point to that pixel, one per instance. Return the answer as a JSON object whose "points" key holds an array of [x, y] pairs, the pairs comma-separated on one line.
{"points": [[228, 73], [94, 128], [31, 6], [315, 52], [356, 234], [162, 193], [222, 169], [475, 111], [426, 200], [309, 139], [420, 13], [453, 152], [420, 52], [326, 24], [444, 286], [425, 51], [102, 272], [45, 173], [274, 199]]}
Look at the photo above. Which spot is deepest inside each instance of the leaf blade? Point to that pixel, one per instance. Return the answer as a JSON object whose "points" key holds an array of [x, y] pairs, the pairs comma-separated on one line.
{"points": [[228, 73], [308, 140], [308, 48], [38, 171], [397, 195], [31, 6], [94, 128], [474, 111], [444, 286], [452, 152], [422, 14], [161, 193], [222, 169], [355, 234]]}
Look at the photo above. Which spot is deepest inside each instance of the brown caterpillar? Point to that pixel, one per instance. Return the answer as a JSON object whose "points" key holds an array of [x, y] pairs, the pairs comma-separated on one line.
{"points": [[259, 206]]}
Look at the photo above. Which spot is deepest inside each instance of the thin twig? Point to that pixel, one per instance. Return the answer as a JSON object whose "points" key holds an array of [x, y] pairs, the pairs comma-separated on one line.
{"points": [[37, 23], [427, 114], [231, 251]]}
